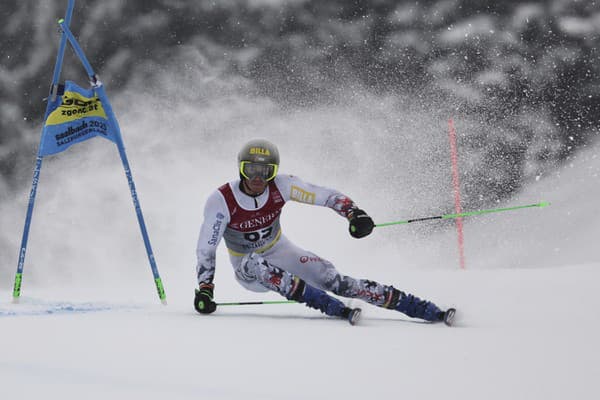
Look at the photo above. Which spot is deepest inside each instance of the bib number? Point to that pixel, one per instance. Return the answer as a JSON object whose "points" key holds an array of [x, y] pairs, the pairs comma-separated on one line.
{"points": [[257, 235]]}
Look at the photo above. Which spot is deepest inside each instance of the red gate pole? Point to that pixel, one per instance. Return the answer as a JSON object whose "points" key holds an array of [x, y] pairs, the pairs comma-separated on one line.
{"points": [[456, 186]]}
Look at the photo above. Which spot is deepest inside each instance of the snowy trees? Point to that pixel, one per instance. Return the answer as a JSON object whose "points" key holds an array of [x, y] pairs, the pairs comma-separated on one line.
{"points": [[527, 72]]}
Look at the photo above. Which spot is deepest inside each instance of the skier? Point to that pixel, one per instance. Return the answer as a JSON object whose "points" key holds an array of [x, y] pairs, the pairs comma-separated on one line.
{"points": [[246, 213]]}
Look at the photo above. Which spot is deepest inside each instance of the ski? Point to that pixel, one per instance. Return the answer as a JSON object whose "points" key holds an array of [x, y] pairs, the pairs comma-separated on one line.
{"points": [[449, 316], [354, 316]]}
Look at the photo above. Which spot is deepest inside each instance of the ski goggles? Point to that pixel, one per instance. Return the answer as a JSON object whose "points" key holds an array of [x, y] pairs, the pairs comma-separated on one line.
{"points": [[251, 170]]}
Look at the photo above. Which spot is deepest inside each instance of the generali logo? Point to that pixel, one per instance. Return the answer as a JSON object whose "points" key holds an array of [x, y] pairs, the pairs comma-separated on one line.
{"points": [[259, 221]]}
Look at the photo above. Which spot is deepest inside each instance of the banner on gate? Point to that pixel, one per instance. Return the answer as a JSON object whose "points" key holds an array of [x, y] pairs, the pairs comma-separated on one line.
{"points": [[76, 115]]}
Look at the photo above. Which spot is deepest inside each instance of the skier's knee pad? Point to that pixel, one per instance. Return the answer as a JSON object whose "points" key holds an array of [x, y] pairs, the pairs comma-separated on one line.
{"points": [[254, 268], [249, 267]]}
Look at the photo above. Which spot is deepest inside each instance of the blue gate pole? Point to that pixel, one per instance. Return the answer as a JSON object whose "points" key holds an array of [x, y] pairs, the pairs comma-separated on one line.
{"points": [[111, 119], [38, 162], [138, 210]]}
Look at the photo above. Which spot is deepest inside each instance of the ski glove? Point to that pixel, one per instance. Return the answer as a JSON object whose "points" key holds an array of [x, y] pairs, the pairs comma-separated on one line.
{"points": [[203, 302], [360, 224]]}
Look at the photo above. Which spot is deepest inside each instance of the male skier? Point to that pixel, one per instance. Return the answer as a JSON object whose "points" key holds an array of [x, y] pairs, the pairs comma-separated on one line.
{"points": [[246, 213]]}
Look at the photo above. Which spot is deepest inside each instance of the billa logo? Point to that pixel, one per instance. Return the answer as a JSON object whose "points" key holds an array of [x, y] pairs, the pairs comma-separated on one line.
{"points": [[260, 150], [302, 196]]}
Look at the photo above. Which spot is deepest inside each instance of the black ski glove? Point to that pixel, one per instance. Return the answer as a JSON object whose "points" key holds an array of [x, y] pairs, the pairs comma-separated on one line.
{"points": [[203, 302], [360, 224]]}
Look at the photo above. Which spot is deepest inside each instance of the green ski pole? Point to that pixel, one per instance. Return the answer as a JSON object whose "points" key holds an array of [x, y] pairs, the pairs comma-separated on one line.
{"points": [[465, 214], [250, 303]]}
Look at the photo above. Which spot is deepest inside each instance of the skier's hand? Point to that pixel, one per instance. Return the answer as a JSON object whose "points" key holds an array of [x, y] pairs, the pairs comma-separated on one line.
{"points": [[203, 302], [360, 224]]}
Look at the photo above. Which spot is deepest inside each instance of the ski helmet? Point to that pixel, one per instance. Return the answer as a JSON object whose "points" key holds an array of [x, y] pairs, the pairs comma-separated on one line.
{"points": [[258, 158]]}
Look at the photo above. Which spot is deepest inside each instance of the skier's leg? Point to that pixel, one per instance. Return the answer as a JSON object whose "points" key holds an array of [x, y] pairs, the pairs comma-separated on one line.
{"points": [[384, 296], [323, 275], [254, 269]]}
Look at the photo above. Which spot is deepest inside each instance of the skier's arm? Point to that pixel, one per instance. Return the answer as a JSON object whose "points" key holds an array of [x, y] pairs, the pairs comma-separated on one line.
{"points": [[216, 218], [295, 189]]}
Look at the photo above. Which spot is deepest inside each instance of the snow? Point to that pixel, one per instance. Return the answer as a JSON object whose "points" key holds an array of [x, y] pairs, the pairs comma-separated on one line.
{"points": [[580, 27], [527, 14], [527, 334], [528, 321], [476, 28]]}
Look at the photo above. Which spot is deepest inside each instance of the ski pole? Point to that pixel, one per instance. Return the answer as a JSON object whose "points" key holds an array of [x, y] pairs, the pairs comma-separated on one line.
{"points": [[250, 303], [465, 214]]}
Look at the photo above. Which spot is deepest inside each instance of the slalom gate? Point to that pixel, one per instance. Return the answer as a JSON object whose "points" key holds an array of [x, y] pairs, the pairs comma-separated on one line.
{"points": [[73, 115]]}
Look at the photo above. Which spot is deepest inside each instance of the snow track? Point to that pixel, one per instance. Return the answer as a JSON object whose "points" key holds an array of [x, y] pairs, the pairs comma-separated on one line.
{"points": [[32, 307]]}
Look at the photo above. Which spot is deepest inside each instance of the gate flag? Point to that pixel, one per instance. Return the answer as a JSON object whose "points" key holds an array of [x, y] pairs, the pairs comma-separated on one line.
{"points": [[76, 115]]}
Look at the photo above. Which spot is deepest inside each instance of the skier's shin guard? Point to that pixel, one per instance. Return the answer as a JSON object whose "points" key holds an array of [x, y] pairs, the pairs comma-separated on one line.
{"points": [[316, 298], [413, 306]]}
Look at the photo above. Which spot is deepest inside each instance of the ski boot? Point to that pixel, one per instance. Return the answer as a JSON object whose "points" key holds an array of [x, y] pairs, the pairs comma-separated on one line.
{"points": [[320, 300], [415, 307]]}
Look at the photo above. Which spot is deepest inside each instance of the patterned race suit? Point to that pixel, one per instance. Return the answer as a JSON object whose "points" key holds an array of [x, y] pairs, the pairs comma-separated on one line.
{"points": [[264, 259]]}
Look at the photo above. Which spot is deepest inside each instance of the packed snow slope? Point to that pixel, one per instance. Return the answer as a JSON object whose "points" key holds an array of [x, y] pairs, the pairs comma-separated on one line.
{"points": [[91, 327]]}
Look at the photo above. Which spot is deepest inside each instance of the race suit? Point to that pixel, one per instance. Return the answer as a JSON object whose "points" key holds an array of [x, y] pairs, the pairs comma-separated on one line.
{"points": [[264, 259]]}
